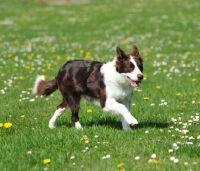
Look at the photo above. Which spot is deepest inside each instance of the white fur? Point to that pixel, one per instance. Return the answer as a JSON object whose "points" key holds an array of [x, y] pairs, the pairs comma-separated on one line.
{"points": [[55, 116], [38, 79], [135, 72], [78, 125], [119, 92]]}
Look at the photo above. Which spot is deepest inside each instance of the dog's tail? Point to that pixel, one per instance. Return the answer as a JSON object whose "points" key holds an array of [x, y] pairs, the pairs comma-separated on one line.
{"points": [[44, 88]]}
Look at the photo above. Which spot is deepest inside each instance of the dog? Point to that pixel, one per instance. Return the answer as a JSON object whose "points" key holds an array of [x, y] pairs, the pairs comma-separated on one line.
{"points": [[110, 85]]}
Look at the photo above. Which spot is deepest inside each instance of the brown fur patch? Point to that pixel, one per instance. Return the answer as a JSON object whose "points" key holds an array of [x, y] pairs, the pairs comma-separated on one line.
{"points": [[123, 64]]}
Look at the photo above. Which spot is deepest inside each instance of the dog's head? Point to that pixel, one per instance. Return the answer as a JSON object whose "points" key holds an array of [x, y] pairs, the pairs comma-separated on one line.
{"points": [[130, 65]]}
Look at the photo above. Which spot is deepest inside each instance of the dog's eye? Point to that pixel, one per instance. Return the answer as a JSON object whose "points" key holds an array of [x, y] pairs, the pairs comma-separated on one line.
{"points": [[131, 66]]}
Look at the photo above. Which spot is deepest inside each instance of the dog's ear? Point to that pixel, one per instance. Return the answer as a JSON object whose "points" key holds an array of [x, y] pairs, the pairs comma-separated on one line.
{"points": [[120, 54], [135, 51]]}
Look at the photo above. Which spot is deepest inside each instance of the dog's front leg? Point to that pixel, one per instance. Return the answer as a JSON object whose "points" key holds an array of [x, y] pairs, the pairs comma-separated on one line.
{"points": [[125, 125], [117, 108]]}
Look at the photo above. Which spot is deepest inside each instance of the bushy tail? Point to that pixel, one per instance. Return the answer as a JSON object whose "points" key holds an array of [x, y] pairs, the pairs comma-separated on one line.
{"points": [[44, 88]]}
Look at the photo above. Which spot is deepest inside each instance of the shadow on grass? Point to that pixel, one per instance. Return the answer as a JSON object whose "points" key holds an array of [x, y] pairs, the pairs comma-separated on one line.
{"points": [[158, 125], [112, 123]]}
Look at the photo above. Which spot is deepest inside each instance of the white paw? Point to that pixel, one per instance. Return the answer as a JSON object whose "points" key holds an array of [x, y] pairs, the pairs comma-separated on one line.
{"points": [[78, 125], [131, 120], [51, 125]]}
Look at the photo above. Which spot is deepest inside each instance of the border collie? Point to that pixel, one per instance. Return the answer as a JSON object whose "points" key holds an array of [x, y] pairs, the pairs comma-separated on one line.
{"points": [[110, 84]]}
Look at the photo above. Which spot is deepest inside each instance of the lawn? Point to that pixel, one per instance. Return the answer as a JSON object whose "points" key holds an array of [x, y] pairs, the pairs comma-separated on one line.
{"points": [[37, 38]]}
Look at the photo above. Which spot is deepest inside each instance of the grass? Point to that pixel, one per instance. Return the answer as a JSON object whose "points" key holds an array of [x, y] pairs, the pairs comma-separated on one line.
{"points": [[39, 39]]}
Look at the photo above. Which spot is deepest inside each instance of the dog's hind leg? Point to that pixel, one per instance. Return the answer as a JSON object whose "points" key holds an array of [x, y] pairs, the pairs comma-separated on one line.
{"points": [[74, 105], [60, 109]]}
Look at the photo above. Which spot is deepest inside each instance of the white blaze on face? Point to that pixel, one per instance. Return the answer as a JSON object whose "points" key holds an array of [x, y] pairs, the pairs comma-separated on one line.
{"points": [[133, 76]]}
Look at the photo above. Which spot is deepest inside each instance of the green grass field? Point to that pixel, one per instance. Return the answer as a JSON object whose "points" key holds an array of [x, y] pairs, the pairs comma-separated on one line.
{"points": [[39, 38]]}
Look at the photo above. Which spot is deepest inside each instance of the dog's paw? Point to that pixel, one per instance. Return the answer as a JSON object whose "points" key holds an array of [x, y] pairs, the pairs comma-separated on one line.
{"points": [[131, 120], [51, 125], [78, 125]]}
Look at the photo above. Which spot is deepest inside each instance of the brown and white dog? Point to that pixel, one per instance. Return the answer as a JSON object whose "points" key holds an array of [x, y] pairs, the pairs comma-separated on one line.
{"points": [[110, 84]]}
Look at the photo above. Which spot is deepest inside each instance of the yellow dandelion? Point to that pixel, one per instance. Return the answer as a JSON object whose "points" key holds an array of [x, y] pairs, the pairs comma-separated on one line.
{"points": [[1, 125], [194, 79], [120, 165], [88, 54], [154, 161], [27, 67], [158, 87], [7, 125], [46, 161], [55, 63], [30, 89], [196, 92], [165, 71], [38, 56], [49, 64], [173, 61], [30, 57], [68, 58], [50, 107], [81, 51], [146, 98], [184, 57], [89, 110], [178, 94], [84, 138], [53, 50], [9, 55], [198, 137], [59, 57], [22, 116], [105, 152], [198, 102]]}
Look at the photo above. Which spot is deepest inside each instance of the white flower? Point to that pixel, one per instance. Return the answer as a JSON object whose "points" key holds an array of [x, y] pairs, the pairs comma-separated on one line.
{"points": [[185, 163], [104, 157], [172, 158], [170, 150], [72, 157], [191, 138], [137, 158], [29, 152], [146, 132], [184, 131], [153, 156], [108, 156], [176, 160], [32, 100]]}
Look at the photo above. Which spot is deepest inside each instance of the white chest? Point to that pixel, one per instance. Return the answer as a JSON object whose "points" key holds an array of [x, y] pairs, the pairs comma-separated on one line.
{"points": [[119, 93]]}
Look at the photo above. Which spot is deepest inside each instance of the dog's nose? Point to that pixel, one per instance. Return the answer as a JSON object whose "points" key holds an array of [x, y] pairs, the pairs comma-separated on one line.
{"points": [[140, 76]]}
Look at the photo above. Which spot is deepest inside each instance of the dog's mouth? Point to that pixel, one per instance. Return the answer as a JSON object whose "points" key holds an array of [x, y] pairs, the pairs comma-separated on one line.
{"points": [[134, 83]]}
